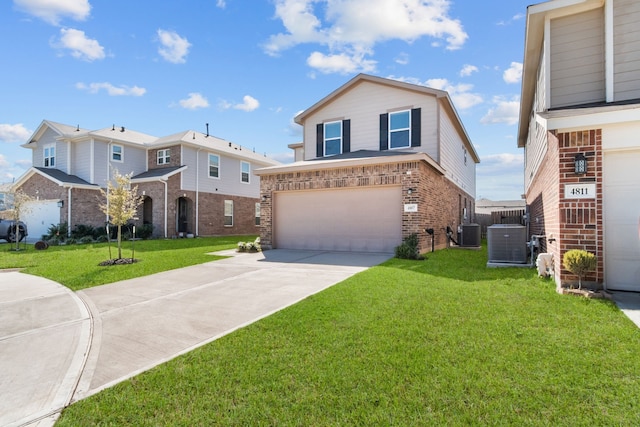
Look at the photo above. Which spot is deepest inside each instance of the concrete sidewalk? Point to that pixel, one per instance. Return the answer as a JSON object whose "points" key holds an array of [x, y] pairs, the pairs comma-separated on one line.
{"points": [[63, 347]]}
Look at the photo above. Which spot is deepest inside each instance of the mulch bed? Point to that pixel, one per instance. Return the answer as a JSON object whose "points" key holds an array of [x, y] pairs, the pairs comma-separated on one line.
{"points": [[119, 261]]}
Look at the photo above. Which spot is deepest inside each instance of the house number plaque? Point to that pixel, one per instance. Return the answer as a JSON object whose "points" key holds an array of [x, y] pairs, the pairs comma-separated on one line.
{"points": [[579, 191]]}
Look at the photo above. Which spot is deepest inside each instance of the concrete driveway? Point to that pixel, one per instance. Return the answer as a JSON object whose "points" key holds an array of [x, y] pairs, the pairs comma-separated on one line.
{"points": [[59, 346]]}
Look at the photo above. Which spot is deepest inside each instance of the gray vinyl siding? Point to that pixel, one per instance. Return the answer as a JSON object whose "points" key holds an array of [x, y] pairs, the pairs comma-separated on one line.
{"points": [[626, 41], [363, 105], [229, 180], [536, 146], [453, 157], [135, 160], [578, 59], [81, 160], [100, 156]]}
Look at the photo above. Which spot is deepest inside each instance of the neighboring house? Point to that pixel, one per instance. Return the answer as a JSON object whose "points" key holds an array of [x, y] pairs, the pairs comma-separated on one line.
{"points": [[381, 159], [581, 103], [191, 183]]}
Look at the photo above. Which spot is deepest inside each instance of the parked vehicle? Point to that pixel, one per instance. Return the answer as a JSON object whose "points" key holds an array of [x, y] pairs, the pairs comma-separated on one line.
{"points": [[10, 231]]}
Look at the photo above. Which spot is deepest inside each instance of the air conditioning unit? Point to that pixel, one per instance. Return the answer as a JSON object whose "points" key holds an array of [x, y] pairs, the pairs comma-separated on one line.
{"points": [[470, 235], [507, 243]]}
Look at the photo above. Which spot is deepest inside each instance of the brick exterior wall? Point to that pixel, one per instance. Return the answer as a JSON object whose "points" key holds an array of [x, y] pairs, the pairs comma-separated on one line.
{"points": [[85, 203], [439, 201], [574, 223], [174, 157]]}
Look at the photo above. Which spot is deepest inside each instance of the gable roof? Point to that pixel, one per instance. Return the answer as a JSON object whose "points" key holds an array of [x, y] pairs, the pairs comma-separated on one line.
{"points": [[58, 177], [533, 43], [157, 174], [441, 95]]}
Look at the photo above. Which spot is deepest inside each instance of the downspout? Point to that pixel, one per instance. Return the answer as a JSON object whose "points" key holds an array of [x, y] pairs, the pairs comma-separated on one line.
{"points": [[165, 206], [69, 211], [108, 177], [198, 191]]}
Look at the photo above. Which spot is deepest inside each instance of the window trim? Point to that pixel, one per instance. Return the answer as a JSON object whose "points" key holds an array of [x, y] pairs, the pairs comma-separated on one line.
{"points": [[121, 153], [209, 166], [392, 131], [49, 161], [325, 139], [225, 216], [165, 157], [242, 163]]}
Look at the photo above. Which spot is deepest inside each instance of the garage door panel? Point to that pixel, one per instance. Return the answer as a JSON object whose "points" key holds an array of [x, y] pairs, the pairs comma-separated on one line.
{"points": [[360, 220], [39, 215], [622, 221]]}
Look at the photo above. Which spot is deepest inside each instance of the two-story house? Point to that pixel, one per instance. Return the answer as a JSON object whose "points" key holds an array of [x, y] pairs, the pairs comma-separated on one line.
{"points": [[579, 127], [380, 159], [192, 183]]}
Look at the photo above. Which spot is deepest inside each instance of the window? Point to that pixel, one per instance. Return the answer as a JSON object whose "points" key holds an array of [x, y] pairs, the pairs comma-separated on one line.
{"points": [[257, 213], [49, 156], [228, 213], [164, 156], [245, 169], [332, 138], [116, 153], [214, 166], [400, 129]]}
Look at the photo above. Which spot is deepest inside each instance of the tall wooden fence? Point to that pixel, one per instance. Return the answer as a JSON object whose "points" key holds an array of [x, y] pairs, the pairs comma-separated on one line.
{"points": [[499, 217]]}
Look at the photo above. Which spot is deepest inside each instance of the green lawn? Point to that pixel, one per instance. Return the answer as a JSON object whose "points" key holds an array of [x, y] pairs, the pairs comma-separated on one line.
{"points": [[76, 266], [444, 341]]}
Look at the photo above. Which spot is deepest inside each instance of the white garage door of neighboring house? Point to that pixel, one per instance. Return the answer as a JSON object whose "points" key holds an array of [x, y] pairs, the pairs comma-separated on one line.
{"points": [[358, 220], [621, 200], [39, 215]]}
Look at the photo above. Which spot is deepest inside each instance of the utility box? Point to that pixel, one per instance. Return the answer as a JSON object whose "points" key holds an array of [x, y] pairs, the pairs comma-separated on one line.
{"points": [[470, 235], [507, 243]]}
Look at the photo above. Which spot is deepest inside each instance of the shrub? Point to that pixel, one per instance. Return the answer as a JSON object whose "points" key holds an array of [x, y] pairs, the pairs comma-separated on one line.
{"points": [[71, 241], [242, 247], [81, 230], [86, 240], [54, 241], [579, 262], [145, 231], [409, 248], [58, 231], [102, 238]]}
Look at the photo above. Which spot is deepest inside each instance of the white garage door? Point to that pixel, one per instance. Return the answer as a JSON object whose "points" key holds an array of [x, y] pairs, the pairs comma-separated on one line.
{"points": [[622, 220], [39, 215], [358, 220]]}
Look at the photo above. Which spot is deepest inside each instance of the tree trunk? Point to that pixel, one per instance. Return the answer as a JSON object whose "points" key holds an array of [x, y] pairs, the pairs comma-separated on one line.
{"points": [[119, 242]]}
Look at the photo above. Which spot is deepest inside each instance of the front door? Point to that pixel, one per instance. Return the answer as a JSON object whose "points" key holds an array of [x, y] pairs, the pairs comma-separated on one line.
{"points": [[183, 215]]}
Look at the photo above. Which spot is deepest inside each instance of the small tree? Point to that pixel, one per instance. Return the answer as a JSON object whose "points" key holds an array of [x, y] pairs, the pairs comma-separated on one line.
{"points": [[579, 262], [122, 203], [20, 207]]}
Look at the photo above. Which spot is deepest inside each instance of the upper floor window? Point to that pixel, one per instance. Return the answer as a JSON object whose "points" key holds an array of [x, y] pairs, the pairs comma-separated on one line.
{"points": [[245, 169], [214, 166], [49, 156], [164, 156], [116, 153], [400, 129], [332, 138]]}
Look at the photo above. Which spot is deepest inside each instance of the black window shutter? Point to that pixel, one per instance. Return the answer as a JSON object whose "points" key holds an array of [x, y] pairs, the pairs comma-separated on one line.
{"points": [[384, 132], [320, 140], [415, 127], [346, 136]]}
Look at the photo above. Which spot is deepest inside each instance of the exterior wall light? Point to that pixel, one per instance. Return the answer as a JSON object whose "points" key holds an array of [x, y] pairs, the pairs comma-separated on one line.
{"points": [[580, 163], [60, 203], [411, 190]]}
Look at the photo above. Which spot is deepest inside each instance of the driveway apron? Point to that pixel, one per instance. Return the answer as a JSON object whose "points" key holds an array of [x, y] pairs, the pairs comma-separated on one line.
{"points": [[61, 347]]}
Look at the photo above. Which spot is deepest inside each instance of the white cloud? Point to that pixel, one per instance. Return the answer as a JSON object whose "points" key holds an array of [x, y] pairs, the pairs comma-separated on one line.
{"points": [[340, 63], [52, 11], [221, 4], [402, 58], [510, 21], [500, 176], [350, 29], [194, 101], [513, 74], [504, 111], [111, 89], [467, 70], [461, 94], [14, 133], [79, 44], [174, 48], [248, 104], [3, 162]]}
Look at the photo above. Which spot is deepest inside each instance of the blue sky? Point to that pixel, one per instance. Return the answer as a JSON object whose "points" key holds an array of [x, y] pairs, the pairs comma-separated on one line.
{"points": [[247, 68]]}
